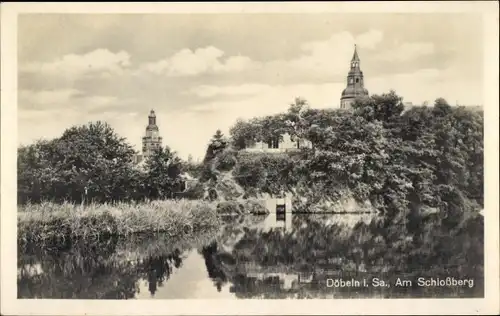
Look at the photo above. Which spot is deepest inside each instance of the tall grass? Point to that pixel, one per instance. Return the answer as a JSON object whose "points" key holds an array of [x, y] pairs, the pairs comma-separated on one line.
{"points": [[50, 221]]}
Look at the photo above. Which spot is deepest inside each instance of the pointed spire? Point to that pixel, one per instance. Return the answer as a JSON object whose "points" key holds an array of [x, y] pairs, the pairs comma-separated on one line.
{"points": [[355, 56], [151, 119]]}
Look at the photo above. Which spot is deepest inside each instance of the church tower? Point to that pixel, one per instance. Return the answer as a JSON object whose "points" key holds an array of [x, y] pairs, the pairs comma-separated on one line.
{"points": [[152, 139], [355, 85]]}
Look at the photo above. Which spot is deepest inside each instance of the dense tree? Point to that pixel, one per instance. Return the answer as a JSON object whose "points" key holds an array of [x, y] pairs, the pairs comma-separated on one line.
{"points": [[163, 170], [349, 153], [87, 162], [37, 177], [217, 144], [91, 163], [244, 133], [397, 159], [263, 129], [192, 167], [385, 108]]}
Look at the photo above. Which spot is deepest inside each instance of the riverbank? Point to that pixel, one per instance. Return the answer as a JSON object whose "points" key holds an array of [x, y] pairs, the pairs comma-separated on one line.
{"points": [[50, 221]]}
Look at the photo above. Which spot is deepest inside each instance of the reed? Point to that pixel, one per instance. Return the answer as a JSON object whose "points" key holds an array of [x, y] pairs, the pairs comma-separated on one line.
{"points": [[50, 221]]}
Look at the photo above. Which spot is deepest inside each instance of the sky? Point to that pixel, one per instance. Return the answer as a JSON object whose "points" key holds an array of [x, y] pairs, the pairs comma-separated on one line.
{"points": [[201, 72]]}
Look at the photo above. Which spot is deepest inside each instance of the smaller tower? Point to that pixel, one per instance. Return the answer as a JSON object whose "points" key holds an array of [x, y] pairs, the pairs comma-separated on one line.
{"points": [[152, 140], [355, 83]]}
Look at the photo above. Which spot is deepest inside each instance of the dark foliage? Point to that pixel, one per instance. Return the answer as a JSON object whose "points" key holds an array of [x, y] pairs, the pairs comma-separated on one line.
{"points": [[91, 163]]}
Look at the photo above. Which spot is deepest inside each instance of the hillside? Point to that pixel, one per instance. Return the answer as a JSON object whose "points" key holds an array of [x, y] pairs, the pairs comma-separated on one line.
{"points": [[375, 156]]}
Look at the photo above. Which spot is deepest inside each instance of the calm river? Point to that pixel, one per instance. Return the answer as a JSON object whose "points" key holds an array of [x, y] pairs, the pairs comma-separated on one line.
{"points": [[290, 256]]}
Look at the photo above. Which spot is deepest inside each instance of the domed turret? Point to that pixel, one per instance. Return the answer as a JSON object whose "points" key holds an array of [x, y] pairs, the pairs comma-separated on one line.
{"points": [[152, 122], [355, 83], [152, 140]]}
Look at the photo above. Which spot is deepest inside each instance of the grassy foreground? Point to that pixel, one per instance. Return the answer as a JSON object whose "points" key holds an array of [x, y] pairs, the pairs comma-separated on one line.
{"points": [[51, 221]]}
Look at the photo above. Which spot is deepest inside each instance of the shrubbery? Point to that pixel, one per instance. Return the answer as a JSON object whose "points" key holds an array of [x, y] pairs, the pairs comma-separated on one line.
{"points": [[266, 173], [226, 160], [241, 207], [249, 172], [395, 159]]}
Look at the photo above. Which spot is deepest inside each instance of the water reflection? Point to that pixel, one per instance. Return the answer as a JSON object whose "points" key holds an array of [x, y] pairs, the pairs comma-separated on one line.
{"points": [[290, 256]]}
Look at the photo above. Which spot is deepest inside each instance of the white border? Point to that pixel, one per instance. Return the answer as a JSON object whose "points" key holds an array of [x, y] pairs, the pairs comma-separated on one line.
{"points": [[11, 305]]}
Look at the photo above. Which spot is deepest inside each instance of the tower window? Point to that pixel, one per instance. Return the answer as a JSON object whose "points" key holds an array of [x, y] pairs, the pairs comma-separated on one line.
{"points": [[357, 80]]}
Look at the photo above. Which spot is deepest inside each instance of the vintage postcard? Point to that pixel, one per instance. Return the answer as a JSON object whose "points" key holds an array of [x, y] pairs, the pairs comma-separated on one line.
{"points": [[249, 158]]}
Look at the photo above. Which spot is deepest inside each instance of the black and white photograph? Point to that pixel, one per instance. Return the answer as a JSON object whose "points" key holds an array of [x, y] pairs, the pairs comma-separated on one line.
{"points": [[245, 156]]}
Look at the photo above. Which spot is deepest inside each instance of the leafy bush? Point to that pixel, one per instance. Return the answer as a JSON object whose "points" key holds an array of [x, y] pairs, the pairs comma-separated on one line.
{"points": [[217, 144], [195, 192], [249, 172], [162, 178], [281, 173], [226, 160], [255, 207], [229, 207], [228, 189]]}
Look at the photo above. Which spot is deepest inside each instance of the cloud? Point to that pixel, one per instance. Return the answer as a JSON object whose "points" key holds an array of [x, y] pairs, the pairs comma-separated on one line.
{"points": [[196, 91], [97, 61], [207, 91], [64, 99], [187, 62], [257, 99], [316, 59], [200, 61], [37, 120], [45, 98], [200, 120], [370, 39], [187, 131], [407, 52], [427, 85], [331, 56], [235, 64]]}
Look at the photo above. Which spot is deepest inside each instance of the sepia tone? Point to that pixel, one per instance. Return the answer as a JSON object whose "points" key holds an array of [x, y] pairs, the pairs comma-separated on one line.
{"points": [[242, 156]]}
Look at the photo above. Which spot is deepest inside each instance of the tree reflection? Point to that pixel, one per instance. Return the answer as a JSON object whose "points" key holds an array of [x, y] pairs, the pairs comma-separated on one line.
{"points": [[276, 263], [214, 264], [256, 261], [159, 269], [98, 270]]}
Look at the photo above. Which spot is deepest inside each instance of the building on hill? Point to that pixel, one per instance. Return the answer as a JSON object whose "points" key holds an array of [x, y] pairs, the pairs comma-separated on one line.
{"points": [[287, 144], [408, 106], [151, 140], [355, 83], [355, 89]]}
